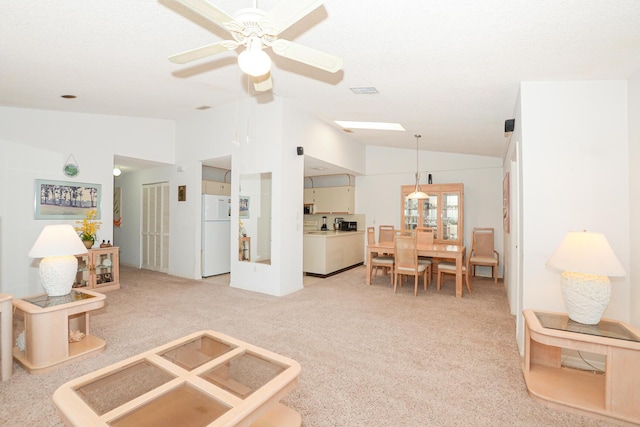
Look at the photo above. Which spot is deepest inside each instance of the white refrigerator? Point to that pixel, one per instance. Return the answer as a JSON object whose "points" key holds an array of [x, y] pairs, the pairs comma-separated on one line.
{"points": [[216, 235]]}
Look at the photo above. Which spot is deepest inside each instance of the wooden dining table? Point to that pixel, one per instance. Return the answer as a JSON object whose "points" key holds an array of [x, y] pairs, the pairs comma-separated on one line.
{"points": [[449, 252]]}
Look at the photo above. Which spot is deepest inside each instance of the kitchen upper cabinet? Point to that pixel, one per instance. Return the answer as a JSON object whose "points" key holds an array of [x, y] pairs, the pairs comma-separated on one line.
{"points": [[308, 196], [217, 188], [331, 199], [443, 211]]}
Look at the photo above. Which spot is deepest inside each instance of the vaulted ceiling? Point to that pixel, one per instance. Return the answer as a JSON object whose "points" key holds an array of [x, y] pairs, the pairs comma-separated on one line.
{"points": [[448, 70]]}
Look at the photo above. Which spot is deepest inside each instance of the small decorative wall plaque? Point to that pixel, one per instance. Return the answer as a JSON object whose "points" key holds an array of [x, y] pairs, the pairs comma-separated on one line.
{"points": [[70, 167]]}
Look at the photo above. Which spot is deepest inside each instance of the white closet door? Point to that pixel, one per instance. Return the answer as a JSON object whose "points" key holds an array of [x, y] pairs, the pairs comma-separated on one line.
{"points": [[155, 227]]}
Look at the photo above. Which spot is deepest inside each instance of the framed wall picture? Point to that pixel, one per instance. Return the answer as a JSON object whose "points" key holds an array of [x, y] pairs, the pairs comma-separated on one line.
{"points": [[117, 207], [243, 207], [182, 193], [506, 220], [65, 199]]}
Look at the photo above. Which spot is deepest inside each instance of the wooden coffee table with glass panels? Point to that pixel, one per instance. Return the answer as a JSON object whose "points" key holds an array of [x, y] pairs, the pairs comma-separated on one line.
{"points": [[204, 379]]}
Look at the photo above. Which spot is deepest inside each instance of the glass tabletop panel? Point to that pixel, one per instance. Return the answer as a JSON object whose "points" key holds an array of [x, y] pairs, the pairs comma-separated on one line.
{"points": [[182, 406], [107, 393], [196, 352], [45, 301], [605, 328], [243, 375]]}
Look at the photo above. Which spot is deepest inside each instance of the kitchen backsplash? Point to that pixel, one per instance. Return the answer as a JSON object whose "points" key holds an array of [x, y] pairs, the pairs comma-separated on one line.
{"points": [[359, 218]]}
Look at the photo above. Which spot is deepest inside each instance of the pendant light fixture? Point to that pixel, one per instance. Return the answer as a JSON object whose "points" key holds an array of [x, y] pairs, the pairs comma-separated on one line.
{"points": [[417, 194]]}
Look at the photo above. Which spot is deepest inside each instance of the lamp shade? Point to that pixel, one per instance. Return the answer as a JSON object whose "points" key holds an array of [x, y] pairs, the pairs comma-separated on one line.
{"points": [[57, 240], [588, 253]]}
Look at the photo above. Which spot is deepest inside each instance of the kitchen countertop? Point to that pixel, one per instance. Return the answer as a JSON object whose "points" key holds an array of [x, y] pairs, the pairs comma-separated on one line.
{"points": [[330, 233]]}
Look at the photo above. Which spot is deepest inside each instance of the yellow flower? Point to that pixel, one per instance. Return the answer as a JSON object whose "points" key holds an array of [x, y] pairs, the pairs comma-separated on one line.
{"points": [[90, 226]]}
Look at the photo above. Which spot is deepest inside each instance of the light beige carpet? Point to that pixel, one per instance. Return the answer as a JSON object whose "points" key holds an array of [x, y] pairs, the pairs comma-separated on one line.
{"points": [[369, 357]]}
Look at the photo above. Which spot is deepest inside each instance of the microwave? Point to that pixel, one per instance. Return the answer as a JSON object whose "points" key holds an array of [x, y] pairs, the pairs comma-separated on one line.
{"points": [[349, 226]]}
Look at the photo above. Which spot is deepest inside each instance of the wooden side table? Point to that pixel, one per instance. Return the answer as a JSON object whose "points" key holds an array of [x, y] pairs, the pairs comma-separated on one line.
{"points": [[47, 322], [614, 393], [6, 335]]}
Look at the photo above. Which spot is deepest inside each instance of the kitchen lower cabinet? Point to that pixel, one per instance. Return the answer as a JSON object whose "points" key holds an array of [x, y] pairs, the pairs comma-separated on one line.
{"points": [[99, 270], [326, 252]]}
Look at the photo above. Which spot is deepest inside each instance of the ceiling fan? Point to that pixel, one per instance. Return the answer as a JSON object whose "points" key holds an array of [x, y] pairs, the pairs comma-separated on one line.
{"points": [[256, 30]]}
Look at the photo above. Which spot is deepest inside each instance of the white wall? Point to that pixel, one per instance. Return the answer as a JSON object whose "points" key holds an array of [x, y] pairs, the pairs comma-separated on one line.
{"points": [[634, 196], [575, 176], [378, 193], [259, 137], [35, 144]]}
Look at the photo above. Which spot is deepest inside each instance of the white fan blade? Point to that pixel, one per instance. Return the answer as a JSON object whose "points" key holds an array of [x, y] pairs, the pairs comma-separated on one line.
{"points": [[201, 52], [208, 10], [287, 12], [307, 55], [263, 83]]}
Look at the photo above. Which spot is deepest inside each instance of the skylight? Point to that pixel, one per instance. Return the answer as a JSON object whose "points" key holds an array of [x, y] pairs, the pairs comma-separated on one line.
{"points": [[370, 125]]}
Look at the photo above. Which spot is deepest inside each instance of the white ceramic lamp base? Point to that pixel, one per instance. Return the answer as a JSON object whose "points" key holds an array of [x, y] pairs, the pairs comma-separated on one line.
{"points": [[586, 296], [57, 274]]}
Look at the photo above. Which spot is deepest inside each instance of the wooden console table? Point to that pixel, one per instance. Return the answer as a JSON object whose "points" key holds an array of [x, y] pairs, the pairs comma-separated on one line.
{"points": [[614, 393], [47, 321], [244, 251], [203, 379]]}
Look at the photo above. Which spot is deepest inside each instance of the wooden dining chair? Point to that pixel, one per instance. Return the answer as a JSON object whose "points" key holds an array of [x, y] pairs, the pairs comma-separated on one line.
{"points": [[482, 252], [384, 262], [450, 268], [406, 262], [424, 237], [386, 233]]}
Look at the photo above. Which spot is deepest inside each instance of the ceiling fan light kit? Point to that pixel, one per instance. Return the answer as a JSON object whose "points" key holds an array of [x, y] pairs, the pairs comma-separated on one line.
{"points": [[256, 30], [254, 61]]}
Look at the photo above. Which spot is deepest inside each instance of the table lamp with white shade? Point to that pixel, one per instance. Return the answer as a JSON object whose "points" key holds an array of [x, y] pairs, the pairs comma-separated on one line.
{"points": [[587, 261], [57, 245]]}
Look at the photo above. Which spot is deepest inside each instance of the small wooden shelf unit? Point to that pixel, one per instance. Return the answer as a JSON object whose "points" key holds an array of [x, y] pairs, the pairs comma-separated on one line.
{"points": [[614, 393], [99, 269]]}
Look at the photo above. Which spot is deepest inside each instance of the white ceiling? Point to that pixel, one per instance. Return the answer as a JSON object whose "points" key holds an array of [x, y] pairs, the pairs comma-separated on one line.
{"points": [[448, 70]]}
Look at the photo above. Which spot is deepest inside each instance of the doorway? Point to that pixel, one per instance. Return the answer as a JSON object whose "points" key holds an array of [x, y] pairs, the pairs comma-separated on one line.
{"points": [[155, 226]]}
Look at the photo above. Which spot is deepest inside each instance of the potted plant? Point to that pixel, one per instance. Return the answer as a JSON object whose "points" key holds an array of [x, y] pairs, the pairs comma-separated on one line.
{"points": [[88, 228]]}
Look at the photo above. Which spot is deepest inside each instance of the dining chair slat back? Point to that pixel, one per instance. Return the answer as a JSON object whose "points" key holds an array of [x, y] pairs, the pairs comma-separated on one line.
{"points": [[425, 236], [406, 262], [384, 262], [483, 252], [386, 233]]}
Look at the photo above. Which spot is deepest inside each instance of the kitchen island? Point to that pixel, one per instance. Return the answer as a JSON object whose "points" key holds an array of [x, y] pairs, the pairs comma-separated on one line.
{"points": [[328, 252]]}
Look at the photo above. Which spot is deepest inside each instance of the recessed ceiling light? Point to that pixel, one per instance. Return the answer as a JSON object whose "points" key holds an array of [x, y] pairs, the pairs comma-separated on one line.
{"points": [[370, 125], [365, 90], [68, 96]]}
